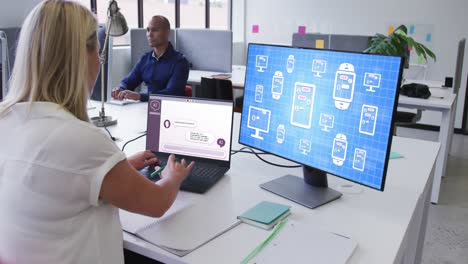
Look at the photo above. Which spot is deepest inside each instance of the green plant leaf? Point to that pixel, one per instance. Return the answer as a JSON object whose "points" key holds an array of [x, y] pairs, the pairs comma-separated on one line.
{"points": [[397, 44], [401, 28]]}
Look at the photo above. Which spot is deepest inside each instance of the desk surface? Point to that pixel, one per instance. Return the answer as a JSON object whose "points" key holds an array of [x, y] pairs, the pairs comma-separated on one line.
{"points": [[378, 221], [237, 76], [441, 99]]}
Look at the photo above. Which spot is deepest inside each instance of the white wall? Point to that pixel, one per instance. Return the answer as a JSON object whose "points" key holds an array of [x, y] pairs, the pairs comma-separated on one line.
{"points": [[279, 19]]}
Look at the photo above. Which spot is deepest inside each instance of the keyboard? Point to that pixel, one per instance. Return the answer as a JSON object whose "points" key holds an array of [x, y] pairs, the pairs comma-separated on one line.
{"points": [[202, 177]]}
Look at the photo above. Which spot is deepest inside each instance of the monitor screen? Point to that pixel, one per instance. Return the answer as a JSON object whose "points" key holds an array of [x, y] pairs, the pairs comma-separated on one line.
{"points": [[332, 111], [199, 128]]}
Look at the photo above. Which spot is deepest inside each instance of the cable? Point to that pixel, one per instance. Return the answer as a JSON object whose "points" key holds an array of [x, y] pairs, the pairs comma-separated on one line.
{"points": [[251, 151], [131, 140], [110, 135]]}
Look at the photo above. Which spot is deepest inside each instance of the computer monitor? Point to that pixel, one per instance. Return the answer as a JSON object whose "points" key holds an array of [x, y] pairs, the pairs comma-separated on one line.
{"points": [[261, 62], [330, 123], [459, 65]]}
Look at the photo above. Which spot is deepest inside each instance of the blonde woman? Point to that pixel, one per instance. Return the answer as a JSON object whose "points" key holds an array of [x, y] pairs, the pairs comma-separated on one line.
{"points": [[61, 178]]}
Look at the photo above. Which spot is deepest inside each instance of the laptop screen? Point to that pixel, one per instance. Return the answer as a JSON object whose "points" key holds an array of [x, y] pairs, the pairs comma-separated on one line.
{"points": [[190, 127]]}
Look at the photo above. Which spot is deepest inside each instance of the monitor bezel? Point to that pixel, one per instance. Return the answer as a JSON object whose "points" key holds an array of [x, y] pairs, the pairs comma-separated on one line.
{"points": [[392, 125]]}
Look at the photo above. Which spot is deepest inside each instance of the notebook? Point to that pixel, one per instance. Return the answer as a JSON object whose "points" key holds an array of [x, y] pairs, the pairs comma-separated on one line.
{"points": [[185, 227], [194, 129], [265, 214]]}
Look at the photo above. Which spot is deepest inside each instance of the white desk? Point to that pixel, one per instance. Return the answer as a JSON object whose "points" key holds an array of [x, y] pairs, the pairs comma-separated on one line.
{"points": [[389, 226], [237, 76], [447, 106]]}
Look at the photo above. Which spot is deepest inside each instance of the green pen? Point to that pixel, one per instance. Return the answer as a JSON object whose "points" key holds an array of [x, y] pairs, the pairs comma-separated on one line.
{"points": [[156, 172]]}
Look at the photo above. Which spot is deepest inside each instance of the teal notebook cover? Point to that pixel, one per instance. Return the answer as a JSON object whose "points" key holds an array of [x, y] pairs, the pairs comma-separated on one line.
{"points": [[395, 155], [265, 212]]}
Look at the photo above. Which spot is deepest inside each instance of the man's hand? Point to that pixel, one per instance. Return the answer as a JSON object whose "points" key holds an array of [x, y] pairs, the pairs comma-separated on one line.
{"points": [[121, 94], [142, 159]]}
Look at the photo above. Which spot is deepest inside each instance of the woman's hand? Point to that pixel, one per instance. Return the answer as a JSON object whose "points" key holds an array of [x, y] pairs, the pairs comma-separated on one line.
{"points": [[143, 159], [176, 170]]}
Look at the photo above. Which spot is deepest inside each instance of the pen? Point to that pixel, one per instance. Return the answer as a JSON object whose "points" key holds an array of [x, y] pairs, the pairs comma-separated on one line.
{"points": [[265, 242], [156, 172]]}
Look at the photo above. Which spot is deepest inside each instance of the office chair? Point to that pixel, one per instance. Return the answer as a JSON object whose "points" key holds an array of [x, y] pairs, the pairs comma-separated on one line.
{"points": [[188, 91], [215, 89]]}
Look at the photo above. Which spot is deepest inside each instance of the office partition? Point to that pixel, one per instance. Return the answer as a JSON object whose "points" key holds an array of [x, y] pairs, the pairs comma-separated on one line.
{"points": [[206, 49], [311, 40], [349, 42]]}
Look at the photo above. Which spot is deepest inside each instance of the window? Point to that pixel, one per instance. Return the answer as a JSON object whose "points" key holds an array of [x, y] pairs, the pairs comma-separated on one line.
{"points": [[219, 14], [158, 7], [129, 9], [192, 13]]}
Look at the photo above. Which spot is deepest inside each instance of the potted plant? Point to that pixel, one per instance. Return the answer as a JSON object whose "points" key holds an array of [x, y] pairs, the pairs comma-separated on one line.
{"points": [[398, 43]]}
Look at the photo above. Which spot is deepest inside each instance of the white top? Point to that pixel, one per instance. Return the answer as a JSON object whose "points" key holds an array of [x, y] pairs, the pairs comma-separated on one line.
{"points": [[51, 169]]}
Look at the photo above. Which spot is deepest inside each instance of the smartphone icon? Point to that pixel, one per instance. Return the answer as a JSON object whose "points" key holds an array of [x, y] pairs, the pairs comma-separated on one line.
{"points": [[303, 104], [277, 85], [340, 145], [359, 159], [258, 93], [344, 86], [290, 64], [368, 119]]}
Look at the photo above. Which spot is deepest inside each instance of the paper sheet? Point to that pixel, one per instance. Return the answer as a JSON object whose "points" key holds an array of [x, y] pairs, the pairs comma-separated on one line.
{"points": [[306, 245]]}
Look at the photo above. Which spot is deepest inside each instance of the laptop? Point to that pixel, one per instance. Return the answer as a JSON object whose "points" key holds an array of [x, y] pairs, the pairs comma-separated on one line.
{"points": [[194, 129]]}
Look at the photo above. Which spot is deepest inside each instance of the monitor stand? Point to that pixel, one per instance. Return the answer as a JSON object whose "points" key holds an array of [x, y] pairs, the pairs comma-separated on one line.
{"points": [[312, 191]]}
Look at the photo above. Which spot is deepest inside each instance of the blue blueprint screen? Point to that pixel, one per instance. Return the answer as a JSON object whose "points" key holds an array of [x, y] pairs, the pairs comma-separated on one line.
{"points": [[326, 109]]}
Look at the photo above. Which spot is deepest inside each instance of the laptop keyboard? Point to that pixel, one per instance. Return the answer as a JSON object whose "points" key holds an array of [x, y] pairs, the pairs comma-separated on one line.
{"points": [[200, 179]]}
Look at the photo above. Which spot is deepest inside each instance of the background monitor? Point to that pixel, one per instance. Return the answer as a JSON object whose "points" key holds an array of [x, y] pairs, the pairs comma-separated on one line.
{"points": [[459, 65], [330, 123]]}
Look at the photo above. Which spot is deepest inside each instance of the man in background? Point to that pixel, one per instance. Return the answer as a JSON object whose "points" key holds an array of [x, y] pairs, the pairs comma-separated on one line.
{"points": [[163, 69]]}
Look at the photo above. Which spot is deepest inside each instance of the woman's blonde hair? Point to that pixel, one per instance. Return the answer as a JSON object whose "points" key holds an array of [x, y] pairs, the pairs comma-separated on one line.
{"points": [[51, 63]]}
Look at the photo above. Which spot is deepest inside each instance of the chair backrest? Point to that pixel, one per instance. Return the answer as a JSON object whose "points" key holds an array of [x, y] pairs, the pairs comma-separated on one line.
{"points": [[215, 89], [188, 91], [8, 43]]}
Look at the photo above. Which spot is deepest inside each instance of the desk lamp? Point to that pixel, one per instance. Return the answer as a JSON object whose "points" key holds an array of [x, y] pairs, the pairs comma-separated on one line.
{"points": [[115, 26]]}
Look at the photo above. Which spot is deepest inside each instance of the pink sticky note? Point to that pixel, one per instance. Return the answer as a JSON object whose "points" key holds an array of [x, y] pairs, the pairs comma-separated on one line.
{"points": [[301, 30], [255, 29]]}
